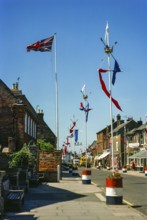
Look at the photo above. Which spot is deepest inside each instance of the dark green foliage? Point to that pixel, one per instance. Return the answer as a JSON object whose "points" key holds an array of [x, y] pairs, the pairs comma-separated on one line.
{"points": [[44, 146], [22, 158]]}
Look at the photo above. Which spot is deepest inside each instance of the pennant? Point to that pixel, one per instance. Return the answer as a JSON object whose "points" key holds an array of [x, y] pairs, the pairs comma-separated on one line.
{"points": [[116, 70], [105, 89], [71, 129], [42, 45], [67, 142], [76, 135]]}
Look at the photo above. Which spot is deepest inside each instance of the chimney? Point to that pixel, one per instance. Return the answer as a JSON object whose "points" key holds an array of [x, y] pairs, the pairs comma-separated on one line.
{"points": [[40, 115], [139, 123], [118, 119], [15, 89]]}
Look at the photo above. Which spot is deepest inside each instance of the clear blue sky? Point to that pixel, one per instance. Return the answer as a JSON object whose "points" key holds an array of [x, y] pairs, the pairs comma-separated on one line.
{"points": [[79, 24]]}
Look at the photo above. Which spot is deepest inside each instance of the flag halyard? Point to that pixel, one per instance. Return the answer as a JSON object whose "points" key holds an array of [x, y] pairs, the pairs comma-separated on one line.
{"points": [[44, 45]]}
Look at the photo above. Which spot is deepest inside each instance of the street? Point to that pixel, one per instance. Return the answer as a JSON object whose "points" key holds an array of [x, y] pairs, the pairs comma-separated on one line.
{"points": [[134, 188]]}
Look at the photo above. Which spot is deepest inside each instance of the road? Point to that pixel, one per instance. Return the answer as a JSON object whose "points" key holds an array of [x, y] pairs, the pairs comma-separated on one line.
{"points": [[134, 188]]}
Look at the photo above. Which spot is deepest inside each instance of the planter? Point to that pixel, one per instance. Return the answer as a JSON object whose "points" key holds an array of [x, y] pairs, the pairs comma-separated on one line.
{"points": [[114, 191], [86, 176], [124, 169], [145, 171]]}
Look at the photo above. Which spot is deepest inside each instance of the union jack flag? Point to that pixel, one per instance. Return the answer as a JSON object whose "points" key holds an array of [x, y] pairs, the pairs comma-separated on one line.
{"points": [[42, 45]]}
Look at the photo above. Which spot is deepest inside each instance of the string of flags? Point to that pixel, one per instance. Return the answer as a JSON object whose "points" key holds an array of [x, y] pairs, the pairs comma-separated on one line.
{"points": [[72, 133]]}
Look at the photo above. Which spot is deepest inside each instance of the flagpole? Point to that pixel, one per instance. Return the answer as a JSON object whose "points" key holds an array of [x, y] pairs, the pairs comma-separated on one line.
{"points": [[110, 90], [56, 85], [86, 141]]}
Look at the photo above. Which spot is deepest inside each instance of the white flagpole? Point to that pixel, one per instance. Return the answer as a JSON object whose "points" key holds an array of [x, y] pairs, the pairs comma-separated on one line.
{"points": [[110, 90], [86, 142], [56, 85]]}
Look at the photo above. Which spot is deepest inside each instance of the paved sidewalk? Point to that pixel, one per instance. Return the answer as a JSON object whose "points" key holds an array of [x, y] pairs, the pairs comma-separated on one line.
{"points": [[71, 200]]}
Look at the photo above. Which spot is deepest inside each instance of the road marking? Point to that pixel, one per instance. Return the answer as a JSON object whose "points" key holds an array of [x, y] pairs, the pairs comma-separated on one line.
{"points": [[128, 203], [101, 197]]}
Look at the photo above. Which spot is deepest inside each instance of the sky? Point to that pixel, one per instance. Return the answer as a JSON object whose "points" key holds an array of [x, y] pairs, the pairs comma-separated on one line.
{"points": [[79, 25]]}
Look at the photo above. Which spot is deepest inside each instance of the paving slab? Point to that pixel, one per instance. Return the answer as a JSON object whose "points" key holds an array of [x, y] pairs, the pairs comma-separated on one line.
{"points": [[71, 200]]}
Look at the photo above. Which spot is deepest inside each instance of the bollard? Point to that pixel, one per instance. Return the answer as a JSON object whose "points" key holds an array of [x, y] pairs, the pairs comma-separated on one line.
{"points": [[86, 176], [114, 191], [58, 173], [124, 169]]}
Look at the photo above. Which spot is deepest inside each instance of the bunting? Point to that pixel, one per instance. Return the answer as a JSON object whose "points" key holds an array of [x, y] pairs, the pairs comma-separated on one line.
{"points": [[86, 109], [115, 102]]}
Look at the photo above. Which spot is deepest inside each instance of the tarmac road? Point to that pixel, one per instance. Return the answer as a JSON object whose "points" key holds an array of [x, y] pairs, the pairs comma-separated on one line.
{"points": [[134, 187]]}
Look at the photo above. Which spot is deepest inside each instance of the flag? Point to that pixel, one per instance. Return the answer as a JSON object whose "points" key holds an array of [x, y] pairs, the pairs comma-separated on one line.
{"points": [[42, 45], [76, 135], [106, 34], [83, 91], [116, 70], [86, 109], [105, 89]]}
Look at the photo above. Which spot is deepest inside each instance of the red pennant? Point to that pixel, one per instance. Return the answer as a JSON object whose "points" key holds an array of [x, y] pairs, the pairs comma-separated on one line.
{"points": [[115, 102]]}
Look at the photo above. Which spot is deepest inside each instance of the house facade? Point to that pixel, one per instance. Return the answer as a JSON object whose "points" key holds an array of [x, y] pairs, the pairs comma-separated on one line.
{"points": [[18, 119], [121, 129]]}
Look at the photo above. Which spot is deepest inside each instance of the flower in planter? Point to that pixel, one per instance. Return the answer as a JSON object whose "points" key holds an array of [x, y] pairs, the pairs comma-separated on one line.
{"points": [[115, 175], [75, 167]]}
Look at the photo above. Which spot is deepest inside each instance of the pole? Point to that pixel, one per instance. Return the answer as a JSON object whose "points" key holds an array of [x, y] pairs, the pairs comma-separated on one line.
{"points": [[125, 144], [110, 90], [56, 85], [86, 141]]}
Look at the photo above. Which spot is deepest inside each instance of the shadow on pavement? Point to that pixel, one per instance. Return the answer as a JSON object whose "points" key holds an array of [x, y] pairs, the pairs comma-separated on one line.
{"points": [[20, 217], [43, 195]]}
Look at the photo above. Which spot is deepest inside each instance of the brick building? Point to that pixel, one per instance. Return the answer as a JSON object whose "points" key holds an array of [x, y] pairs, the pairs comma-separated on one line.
{"points": [[18, 120]]}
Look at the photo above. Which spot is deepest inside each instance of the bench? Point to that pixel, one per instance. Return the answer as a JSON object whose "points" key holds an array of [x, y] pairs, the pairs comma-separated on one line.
{"points": [[14, 199]]}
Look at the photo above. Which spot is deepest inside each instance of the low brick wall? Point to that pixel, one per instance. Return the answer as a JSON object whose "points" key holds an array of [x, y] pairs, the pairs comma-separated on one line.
{"points": [[48, 162]]}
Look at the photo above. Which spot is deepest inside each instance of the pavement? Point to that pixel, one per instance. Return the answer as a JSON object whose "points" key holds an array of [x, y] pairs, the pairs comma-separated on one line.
{"points": [[69, 199]]}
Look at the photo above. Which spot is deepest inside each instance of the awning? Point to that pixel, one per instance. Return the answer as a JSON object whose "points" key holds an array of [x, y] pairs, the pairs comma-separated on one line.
{"points": [[140, 154], [133, 145], [103, 155]]}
